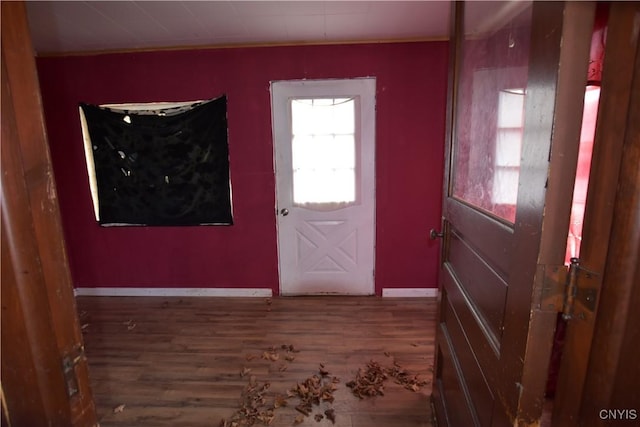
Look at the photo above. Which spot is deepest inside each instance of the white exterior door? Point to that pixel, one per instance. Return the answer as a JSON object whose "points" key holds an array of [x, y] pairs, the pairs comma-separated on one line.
{"points": [[324, 155]]}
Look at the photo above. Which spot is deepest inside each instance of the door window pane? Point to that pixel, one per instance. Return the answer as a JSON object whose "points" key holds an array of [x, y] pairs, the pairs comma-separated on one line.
{"points": [[323, 150], [490, 105]]}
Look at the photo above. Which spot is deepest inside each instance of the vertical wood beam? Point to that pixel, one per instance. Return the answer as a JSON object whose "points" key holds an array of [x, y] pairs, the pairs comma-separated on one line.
{"points": [[40, 305], [31, 368]]}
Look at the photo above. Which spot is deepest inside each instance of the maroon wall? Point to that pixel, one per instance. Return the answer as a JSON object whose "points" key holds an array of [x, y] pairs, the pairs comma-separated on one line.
{"points": [[411, 99]]}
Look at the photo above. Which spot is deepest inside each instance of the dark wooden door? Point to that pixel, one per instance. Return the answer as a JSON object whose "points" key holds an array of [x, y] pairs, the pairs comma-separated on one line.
{"points": [[514, 125], [44, 371]]}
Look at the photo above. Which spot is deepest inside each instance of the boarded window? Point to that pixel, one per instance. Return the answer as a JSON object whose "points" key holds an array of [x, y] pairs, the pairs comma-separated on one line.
{"points": [[161, 166]]}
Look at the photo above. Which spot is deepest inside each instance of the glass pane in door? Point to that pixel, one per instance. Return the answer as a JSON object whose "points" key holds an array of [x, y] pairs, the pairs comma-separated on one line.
{"points": [[323, 150], [492, 87]]}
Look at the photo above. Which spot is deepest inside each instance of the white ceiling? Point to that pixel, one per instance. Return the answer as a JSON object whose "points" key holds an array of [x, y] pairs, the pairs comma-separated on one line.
{"points": [[89, 26]]}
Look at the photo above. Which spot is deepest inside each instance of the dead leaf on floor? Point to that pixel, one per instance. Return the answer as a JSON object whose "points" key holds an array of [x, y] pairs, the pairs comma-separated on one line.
{"points": [[250, 357], [279, 401], [271, 354], [299, 420], [118, 409], [244, 372], [85, 326], [130, 325], [323, 371], [318, 417], [414, 344], [282, 368], [386, 353], [331, 415]]}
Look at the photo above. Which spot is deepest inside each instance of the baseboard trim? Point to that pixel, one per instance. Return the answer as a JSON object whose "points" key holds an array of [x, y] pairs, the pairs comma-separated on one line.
{"points": [[410, 292], [174, 292]]}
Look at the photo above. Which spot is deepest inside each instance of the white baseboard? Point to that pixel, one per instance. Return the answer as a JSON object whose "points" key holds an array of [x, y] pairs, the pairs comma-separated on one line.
{"points": [[410, 292], [174, 292]]}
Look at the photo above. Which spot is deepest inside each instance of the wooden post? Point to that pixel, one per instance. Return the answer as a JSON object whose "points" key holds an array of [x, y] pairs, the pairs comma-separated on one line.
{"points": [[39, 320]]}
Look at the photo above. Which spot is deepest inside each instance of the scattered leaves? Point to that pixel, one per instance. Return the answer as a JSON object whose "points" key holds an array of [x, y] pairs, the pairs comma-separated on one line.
{"points": [[118, 409], [318, 417], [406, 379], [313, 391], [254, 407], [272, 354], [370, 381]]}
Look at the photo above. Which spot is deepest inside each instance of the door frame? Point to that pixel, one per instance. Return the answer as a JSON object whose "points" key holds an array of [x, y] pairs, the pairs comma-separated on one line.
{"points": [[598, 369]]}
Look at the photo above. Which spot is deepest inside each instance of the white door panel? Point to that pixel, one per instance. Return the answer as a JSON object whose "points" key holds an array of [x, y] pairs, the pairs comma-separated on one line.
{"points": [[326, 232]]}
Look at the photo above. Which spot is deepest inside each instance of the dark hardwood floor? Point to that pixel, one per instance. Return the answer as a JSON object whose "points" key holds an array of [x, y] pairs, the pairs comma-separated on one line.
{"points": [[188, 361]]}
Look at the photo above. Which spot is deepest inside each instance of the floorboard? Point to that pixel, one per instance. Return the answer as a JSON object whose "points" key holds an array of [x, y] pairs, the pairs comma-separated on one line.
{"points": [[187, 361]]}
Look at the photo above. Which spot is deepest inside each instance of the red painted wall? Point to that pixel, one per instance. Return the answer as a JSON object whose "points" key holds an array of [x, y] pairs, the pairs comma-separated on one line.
{"points": [[411, 100]]}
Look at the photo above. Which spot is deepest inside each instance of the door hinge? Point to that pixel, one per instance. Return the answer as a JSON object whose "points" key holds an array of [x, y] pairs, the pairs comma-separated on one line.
{"points": [[571, 290], [69, 362]]}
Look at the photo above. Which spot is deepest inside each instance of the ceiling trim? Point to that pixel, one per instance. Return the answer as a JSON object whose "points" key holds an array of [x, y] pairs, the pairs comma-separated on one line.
{"points": [[233, 46]]}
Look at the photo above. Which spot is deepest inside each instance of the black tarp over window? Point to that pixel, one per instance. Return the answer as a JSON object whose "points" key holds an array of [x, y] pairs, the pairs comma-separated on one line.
{"points": [[166, 168]]}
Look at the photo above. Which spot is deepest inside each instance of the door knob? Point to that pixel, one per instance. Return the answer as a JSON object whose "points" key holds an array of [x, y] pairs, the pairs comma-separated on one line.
{"points": [[284, 211], [434, 234]]}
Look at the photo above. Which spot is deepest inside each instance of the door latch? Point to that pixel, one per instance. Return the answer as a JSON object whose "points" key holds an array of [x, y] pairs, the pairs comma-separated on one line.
{"points": [[69, 363], [434, 234]]}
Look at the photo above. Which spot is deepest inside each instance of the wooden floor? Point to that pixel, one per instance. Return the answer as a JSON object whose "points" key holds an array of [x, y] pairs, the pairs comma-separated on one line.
{"points": [[187, 361]]}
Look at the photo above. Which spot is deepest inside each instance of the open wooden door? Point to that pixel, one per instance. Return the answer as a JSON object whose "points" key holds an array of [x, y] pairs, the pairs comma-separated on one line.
{"points": [[44, 371], [516, 90]]}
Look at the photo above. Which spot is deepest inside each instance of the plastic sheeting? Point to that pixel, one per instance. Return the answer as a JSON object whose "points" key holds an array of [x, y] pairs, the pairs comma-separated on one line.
{"points": [[161, 168]]}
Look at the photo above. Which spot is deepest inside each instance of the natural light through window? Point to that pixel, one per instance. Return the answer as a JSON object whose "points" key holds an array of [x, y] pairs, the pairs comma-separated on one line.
{"points": [[323, 150], [508, 146]]}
